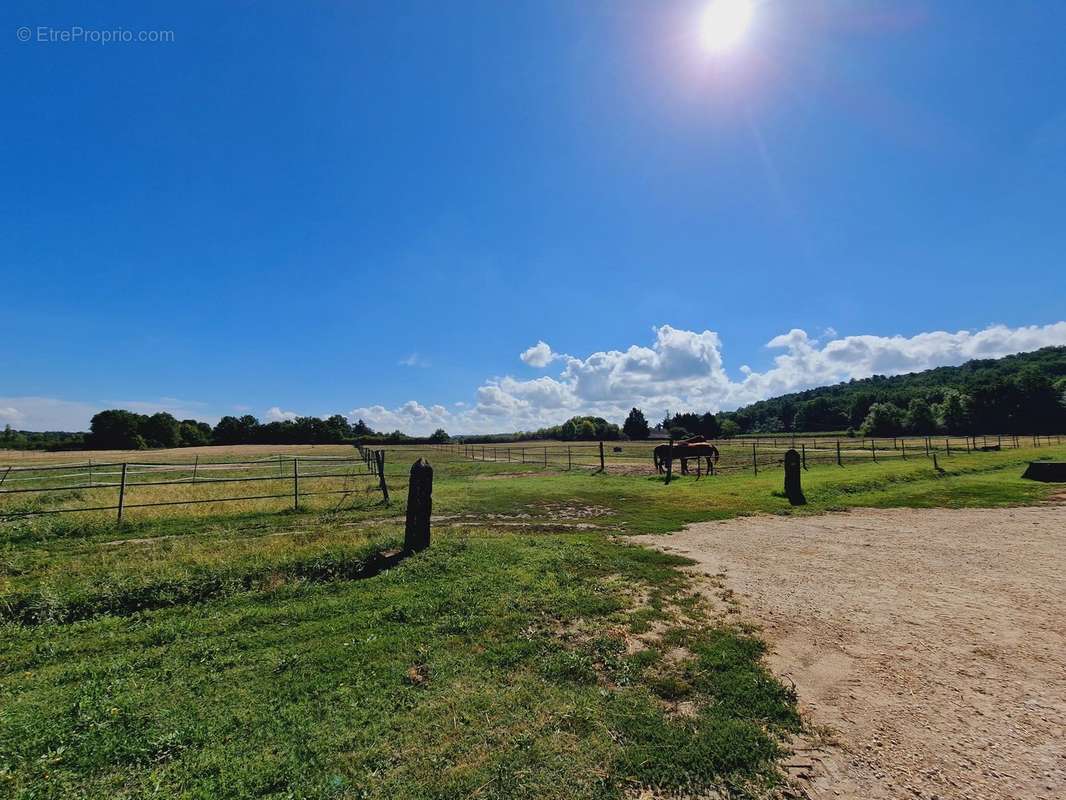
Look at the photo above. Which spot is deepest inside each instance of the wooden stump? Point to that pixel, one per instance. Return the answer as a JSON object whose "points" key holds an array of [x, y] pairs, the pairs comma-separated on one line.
{"points": [[793, 489], [419, 507]]}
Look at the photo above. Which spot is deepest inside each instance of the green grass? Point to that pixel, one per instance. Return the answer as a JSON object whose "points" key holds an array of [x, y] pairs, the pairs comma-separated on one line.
{"points": [[241, 655], [491, 664]]}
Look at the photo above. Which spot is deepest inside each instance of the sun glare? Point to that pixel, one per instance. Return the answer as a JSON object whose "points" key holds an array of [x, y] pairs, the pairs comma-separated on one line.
{"points": [[724, 24]]}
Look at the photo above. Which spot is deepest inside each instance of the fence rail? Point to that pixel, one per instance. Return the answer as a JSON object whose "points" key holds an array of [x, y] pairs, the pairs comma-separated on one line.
{"points": [[129, 478], [747, 454]]}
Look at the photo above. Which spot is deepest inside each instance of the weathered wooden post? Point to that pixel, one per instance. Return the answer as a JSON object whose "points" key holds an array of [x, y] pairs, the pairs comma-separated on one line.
{"points": [[379, 457], [602, 466], [754, 459], [122, 492], [936, 466], [90, 473], [873, 450], [419, 507], [803, 454], [947, 446], [295, 483], [569, 459], [545, 456], [839, 462], [793, 489], [904, 443], [195, 467]]}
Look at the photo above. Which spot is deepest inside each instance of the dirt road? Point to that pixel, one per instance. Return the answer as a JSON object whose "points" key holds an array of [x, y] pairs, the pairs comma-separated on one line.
{"points": [[928, 646]]}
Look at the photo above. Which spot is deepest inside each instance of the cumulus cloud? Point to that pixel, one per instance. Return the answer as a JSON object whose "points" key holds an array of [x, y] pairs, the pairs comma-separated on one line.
{"points": [[684, 370], [275, 414], [539, 355]]}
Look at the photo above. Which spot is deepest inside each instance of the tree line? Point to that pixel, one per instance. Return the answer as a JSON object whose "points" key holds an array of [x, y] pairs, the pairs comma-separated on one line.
{"points": [[119, 429]]}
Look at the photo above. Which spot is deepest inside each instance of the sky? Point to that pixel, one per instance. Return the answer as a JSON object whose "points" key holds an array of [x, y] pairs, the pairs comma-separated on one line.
{"points": [[490, 216]]}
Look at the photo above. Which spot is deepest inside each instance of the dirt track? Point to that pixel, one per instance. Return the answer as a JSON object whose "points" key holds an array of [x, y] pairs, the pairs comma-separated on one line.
{"points": [[928, 646]]}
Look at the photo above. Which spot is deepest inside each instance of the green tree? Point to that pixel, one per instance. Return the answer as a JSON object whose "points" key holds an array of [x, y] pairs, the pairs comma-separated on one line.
{"points": [[161, 430], [636, 425], [883, 419], [440, 436], [729, 429], [919, 418], [115, 429], [193, 433], [953, 412]]}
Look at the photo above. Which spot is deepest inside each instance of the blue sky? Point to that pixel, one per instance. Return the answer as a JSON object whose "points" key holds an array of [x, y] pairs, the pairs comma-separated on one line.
{"points": [[375, 208]]}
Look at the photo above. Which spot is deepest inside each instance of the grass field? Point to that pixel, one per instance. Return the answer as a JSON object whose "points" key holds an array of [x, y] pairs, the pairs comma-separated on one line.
{"points": [[235, 651]]}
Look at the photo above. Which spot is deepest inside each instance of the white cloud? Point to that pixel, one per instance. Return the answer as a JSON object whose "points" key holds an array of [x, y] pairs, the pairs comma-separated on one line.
{"points": [[678, 370], [413, 360], [684, 370], [539, 355], [275, 414]]}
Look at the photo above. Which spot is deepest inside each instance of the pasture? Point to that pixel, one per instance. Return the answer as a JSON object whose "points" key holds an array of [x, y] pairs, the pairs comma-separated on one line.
{"points": [[239, 648]]}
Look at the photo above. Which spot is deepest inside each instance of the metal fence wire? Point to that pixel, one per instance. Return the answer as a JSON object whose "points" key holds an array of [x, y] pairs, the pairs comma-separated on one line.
{"points": [[127, 479]]}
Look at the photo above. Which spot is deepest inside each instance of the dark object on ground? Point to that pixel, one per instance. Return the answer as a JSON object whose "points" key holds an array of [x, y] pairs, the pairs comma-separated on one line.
{"points": [[793, 489], [419, 507], [1047, 471], [988, 448], [617, 449]]}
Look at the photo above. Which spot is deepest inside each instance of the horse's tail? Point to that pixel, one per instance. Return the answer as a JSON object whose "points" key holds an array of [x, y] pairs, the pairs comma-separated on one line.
{"points": [[655, 458]]}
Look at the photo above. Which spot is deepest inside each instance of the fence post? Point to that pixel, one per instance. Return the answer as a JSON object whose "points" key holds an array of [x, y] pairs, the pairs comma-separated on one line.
{"points": [[419, 507], [793, 489], [545, 456], [873, 449], [90, 473], [936, 466], [754, 458], [380, 458], [122, 492], [602, 466], [295, 483], [904, 443], [839, 462], [569, 459], [947, 446], [803, 454], [195, 467]]}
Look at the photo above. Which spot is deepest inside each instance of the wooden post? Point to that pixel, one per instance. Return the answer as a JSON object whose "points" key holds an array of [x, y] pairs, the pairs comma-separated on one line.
{"points": [[602, 465], [873, 449], [754, 458], [6, 473], [839, 462], [904, 443], [195, 467], [803, 454], [419, 507], [295, 483], [569, 459], [90, 473], [545, 456], [793, 489], [935, 465], [947, 446], [927, 447], [122, 493], [380, 458]]}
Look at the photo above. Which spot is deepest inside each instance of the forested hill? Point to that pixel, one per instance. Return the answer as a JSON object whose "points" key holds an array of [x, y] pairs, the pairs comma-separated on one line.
{"points": [[1016, 394]]}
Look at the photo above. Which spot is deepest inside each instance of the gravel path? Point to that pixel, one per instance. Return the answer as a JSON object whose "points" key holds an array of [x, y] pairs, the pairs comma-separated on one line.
{"points": [[927, 646]]}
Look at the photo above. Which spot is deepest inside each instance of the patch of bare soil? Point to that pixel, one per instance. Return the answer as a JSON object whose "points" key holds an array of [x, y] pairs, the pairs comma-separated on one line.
{"points": [[928, 647]]}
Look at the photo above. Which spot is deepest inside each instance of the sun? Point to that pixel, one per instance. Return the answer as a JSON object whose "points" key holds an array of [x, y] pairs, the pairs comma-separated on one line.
{"points": [[724, 24]]}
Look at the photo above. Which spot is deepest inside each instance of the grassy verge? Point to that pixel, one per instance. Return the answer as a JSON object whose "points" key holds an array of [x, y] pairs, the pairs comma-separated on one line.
{"points": [[501, 665]]}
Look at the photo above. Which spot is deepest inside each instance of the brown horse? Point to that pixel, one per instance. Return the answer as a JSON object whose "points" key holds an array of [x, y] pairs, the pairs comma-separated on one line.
{"points": [[685, 451]]}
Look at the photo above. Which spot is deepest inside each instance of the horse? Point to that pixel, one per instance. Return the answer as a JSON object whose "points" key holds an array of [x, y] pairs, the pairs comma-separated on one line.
{"points": [[685, 451]]}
